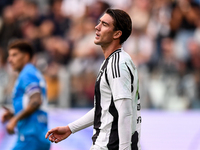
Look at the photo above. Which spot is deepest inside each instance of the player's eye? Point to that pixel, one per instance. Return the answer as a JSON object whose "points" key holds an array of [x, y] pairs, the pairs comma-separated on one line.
{"points": [[14, 54], [98, 22]]}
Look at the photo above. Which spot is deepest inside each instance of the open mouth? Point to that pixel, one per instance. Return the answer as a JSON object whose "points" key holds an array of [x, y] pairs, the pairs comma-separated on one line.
{"points": [[97, 35]]}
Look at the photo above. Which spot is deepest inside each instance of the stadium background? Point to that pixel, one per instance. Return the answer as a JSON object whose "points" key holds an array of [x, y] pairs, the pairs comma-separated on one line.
{"points": [[164, 44]]}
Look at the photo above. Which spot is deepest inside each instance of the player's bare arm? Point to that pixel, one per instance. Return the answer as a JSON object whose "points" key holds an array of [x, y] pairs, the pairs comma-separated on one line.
{"points": [[58, 134], [34, 104]]}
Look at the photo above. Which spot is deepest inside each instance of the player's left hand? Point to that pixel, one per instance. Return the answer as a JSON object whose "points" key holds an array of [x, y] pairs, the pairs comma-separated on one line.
{"points": [[11, 125]]}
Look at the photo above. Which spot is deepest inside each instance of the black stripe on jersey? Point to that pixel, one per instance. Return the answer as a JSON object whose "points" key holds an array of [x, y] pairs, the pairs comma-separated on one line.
{"points": [[112, 68], [118, 64], [115, 65], [138, 95], [98, 108], [106, 76], [113, 143], [132, 77], [134, 141]]}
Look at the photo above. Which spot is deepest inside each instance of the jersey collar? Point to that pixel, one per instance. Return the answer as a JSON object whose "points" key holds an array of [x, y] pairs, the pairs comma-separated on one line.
{"points": [[116, 51]]}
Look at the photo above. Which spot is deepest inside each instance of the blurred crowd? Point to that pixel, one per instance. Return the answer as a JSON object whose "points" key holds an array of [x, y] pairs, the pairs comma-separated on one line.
{"points": [[164, 45]]}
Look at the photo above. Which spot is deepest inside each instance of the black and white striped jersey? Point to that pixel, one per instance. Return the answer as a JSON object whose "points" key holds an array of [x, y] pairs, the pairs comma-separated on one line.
{"points": [[117, 80]]}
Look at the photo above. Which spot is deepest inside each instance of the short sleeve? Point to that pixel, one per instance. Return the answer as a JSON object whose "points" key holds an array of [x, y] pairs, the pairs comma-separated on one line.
{"points": [[120, 84], [30, 84]]}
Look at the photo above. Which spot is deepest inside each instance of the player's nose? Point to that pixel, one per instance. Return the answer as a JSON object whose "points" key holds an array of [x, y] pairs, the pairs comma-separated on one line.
{"points": [[97, 27], [9, 59]]}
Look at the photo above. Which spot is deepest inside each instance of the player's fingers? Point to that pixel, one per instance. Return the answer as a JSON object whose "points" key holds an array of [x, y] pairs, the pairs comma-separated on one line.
{"points": [[4, 118], [10, 131], [51, 137], [50, 132], [47, 134], [57, 140]]}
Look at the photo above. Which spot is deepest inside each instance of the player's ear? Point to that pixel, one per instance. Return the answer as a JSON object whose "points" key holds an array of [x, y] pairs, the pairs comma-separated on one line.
{"points": [[117, 34], [27, 57]]}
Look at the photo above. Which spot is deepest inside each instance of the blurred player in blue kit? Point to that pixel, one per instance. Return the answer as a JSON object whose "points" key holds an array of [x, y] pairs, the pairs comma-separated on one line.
{"points": [[29, 100]]}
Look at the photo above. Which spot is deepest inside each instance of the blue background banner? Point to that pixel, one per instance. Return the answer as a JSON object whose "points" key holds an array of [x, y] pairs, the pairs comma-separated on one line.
{"points": [[161, 130]]}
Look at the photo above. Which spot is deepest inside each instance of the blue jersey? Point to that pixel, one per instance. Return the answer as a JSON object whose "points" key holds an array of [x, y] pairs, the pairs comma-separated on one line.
{"points": [[30, 81]]}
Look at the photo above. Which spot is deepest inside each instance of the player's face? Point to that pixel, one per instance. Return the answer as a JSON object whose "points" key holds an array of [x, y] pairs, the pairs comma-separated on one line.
{"points": [[16, 59], [104, 30]]}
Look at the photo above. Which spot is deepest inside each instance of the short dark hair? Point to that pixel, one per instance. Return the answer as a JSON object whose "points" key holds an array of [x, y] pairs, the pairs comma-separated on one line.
{"points": [[122, 21], [23, 46]]}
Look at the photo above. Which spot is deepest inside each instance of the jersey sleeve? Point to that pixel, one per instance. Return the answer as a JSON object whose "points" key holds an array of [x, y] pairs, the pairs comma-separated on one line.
{"points": [[119, 80], [83, 122], [30, 83], [124, 108]]}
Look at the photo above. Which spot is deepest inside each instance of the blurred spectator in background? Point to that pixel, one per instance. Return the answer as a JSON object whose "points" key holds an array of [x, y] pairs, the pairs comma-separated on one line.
{"points": [[61, 21], [4, 3], [86, 57], [185, 15], [140, 15], [9, 28], [193, 81], [3, 77], [96, 9], [166, 89], [197, 31], [158, 27]]}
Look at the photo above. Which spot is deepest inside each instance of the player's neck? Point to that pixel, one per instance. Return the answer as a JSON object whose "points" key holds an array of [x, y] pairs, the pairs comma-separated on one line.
{"points": [[22, 67], [109, 49]]}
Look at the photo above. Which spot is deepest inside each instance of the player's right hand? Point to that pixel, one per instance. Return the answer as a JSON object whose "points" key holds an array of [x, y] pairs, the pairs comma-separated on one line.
{"points": [[11, 125], [7, 115], [58, 134]]}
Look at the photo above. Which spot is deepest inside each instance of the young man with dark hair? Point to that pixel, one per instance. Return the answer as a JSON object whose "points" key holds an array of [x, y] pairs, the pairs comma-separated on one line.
{"points": [[116, 114], [29, 100]]}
